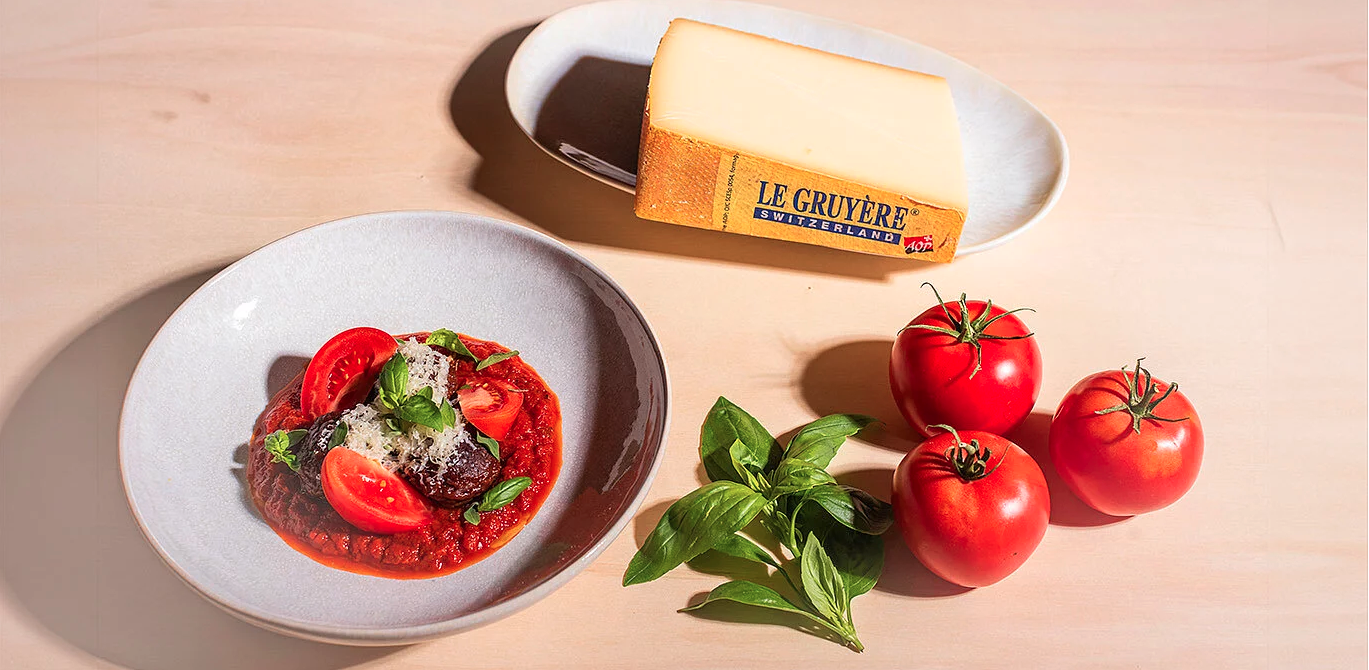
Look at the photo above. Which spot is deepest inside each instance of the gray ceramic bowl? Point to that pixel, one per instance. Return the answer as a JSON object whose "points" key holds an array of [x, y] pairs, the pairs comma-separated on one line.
{"points": [[209, 371]]}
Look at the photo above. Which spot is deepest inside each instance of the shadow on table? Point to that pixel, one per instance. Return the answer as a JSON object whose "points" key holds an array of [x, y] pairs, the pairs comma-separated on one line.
{"points": [[1066, 508], [73, 556], [602, 100], [854, 377]]}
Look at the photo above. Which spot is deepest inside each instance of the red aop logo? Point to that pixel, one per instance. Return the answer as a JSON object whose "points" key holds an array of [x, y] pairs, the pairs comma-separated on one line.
{"points": [[917, 245]]}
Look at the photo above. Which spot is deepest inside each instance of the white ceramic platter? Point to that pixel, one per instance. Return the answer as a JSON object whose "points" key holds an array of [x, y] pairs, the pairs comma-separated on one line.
{"points": [[576, 80], [210, 371]]}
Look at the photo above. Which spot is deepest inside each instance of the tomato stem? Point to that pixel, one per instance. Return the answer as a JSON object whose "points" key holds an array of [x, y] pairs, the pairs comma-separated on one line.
{"points": [[970, 331], [971, 461], [1141, 401]]}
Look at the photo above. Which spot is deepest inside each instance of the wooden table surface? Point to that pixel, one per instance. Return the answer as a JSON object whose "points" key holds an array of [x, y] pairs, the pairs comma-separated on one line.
{"points": [[1215, 221]]}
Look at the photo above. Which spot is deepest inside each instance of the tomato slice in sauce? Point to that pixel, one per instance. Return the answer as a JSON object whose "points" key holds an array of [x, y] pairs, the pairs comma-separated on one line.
{"points": [[370, 497], [490, 405], [341, 374]]}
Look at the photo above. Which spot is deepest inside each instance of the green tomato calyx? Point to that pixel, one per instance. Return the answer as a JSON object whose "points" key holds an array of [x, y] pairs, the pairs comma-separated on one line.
{"points": [[1141, 401], [971, 461], [968, 330]]}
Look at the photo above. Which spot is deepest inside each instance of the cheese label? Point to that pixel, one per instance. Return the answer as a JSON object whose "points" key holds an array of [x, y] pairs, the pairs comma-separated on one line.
{"points": [[758, 197]]}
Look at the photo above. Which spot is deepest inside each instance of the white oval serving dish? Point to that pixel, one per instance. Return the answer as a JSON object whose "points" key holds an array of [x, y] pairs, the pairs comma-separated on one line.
{"points": [[576, 80]]}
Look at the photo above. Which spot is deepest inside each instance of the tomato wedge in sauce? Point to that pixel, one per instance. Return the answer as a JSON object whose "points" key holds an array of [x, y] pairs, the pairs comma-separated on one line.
{"points": [[341, 374], [491, 405], [370, 497]]}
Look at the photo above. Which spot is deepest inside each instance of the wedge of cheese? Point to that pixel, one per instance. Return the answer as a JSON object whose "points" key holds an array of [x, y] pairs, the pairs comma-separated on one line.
{"points": [[752, 135]]}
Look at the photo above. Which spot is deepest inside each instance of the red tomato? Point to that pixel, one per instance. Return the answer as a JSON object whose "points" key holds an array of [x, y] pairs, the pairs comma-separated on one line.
{"points": [[341, 374], [491, 405], [972, 365], [972, 513], [370, 497], [1126, 443]]}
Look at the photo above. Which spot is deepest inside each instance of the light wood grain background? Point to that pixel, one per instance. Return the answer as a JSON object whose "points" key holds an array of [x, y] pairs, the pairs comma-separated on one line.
{"points": [[1215, 221]]}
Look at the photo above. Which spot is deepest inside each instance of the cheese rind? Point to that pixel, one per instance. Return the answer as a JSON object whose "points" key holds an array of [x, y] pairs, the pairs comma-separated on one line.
{"points": [[737, 126]]}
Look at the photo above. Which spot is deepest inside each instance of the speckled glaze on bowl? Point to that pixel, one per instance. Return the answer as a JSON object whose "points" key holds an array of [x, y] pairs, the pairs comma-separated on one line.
{"points": [[207, 374]]}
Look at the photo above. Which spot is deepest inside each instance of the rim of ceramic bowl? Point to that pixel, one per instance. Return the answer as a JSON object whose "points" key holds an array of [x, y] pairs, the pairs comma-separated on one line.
{"points": [[398, 635]]}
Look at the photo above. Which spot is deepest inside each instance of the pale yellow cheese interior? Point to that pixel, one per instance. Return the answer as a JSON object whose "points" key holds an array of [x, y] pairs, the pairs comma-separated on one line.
{"points": [[881, 126]]}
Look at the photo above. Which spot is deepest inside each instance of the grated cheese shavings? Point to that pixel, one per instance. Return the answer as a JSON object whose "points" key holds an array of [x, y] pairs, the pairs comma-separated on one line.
{"points": [[419, 447]]}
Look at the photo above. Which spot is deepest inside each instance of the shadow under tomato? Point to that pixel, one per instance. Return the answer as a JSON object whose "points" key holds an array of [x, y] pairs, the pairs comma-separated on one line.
{"points": [[878, 482], [282, 371], [1066, 508], [73, 556], [904, 575], [597, 96], [854, 377]]}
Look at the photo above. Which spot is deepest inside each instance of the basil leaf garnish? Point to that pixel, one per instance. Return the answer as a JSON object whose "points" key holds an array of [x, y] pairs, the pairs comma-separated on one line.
{"points": [[420, 410], [853, 508], [503, 493], [472, 516], [727, 423], [818, 441], [495, 358], [794, 476], [280, 445], [426, 392], [448, 413], [822, 585], [450, 341], [394, 380], [691, 526], [339, 435], [490, 444]]}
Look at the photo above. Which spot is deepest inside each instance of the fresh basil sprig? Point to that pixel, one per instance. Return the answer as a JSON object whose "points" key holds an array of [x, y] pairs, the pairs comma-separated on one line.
{"points": [[831, 531], [417, 407], [499, 495], [281, 445]]}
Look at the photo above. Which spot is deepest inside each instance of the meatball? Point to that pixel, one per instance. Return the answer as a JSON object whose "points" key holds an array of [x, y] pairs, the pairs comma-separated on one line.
{"points": [[470, 471], [311, 450]]}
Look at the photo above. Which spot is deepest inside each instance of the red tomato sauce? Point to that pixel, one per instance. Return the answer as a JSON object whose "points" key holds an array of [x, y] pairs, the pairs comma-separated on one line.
{"points": [[532, 449]]}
